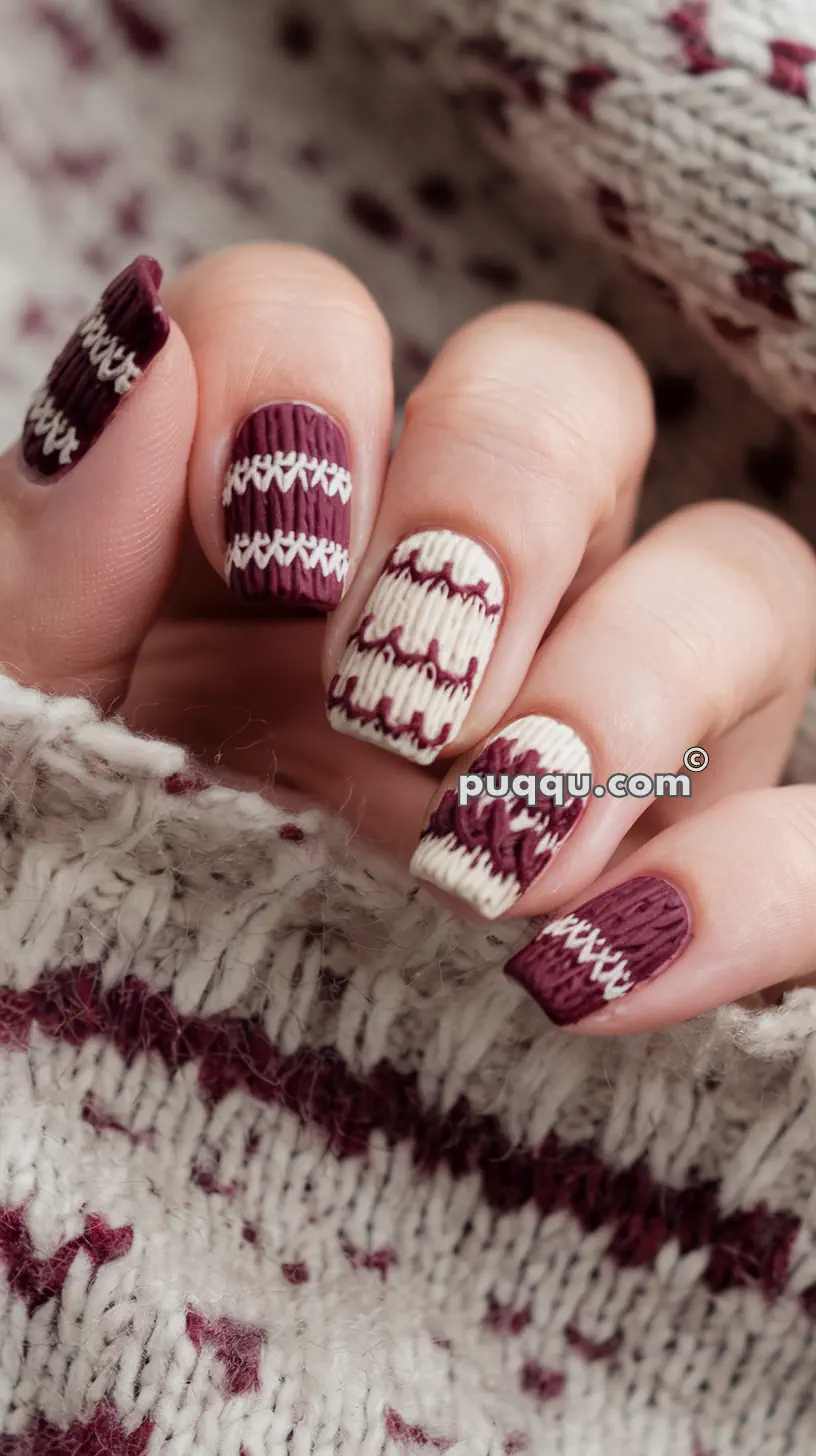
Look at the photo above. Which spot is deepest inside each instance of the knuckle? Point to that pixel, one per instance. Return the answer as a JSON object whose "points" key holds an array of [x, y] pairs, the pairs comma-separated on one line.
{"points": [[553, 392], [553, 331], [676, 651], [277, 277], [783, 822], [324, 280], [797, 839], [544, 443], [767, 570], [754, 541]]}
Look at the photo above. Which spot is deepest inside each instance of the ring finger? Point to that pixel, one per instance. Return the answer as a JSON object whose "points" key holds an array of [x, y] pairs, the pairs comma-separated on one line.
{"points": [[702, 633]]}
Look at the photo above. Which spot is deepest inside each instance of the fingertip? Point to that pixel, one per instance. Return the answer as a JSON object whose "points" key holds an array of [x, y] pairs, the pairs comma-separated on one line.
{"points": [[296, 405], [93, 495]]}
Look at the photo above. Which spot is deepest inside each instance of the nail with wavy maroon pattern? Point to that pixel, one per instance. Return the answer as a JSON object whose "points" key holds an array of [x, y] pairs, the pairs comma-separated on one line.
{"points": [[490, 850], [415, 660], [582, 962], [287, 507], [102, 361]]}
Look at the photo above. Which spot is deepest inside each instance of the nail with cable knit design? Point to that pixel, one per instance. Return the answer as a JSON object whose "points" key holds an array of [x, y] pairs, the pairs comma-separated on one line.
{"points": [[581, 962], [413, 664], [489, 851], [287, 507], [102, 361]]}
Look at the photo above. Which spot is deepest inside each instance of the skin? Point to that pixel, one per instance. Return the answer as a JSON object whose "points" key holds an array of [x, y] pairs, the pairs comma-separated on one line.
{"points": [[531, 433]]}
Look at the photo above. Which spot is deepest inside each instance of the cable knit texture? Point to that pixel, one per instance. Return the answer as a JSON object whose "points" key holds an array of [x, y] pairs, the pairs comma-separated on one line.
{"points": [[679, 131], [287, 1166], [283, 1151]]}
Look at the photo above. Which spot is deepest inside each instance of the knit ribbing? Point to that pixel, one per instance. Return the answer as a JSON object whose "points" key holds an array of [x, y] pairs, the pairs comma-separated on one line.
{"points": [[300, 1124], [661, 125], [411, 667], [287, 507]]}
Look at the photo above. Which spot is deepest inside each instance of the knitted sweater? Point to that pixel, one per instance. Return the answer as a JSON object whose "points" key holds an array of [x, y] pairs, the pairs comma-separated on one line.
{"points": [[287, 1167]]}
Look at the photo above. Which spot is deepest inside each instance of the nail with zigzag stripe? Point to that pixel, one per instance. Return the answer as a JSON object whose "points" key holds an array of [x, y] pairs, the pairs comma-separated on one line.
{"points": [[102, 361], [287, 507], [582, 962], [413, 665], [489, 851]]}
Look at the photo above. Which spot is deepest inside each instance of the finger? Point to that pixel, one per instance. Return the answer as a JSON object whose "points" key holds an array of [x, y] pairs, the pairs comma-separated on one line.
{"points": [[92, 499], [707, 622], [751, 755], [711, 911], [295, 401], [521, 452]]}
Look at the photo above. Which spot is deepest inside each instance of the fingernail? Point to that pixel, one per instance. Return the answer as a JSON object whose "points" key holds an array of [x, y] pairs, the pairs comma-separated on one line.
{"points": [[287, 507], [490, 850], [582, 962], [421, 647], [102, 361]]}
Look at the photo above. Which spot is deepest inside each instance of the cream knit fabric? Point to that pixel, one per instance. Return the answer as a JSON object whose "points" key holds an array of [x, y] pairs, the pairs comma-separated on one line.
{"points": [[683, 132], [286, 1166]]}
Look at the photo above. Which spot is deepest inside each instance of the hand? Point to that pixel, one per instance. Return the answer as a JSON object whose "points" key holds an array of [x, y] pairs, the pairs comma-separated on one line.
{"points": [[486, 615]]}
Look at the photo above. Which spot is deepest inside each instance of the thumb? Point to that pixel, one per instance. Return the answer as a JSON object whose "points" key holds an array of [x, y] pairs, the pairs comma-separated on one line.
{"points": [[92, 498]]}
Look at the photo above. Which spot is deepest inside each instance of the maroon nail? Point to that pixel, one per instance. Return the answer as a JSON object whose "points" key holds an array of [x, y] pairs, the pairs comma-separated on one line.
{"points": [[105, 356], [582, 962], [287, 507]]}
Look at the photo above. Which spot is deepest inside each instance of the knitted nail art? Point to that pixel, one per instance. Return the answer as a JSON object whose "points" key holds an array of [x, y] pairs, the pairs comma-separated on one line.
{"points": [[604, 949], [287, 507], [99, 365], [491, 849], [413, 664]]}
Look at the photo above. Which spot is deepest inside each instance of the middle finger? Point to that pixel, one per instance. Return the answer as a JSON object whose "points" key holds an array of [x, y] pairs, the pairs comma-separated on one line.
{"points": [[514, 481]]}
